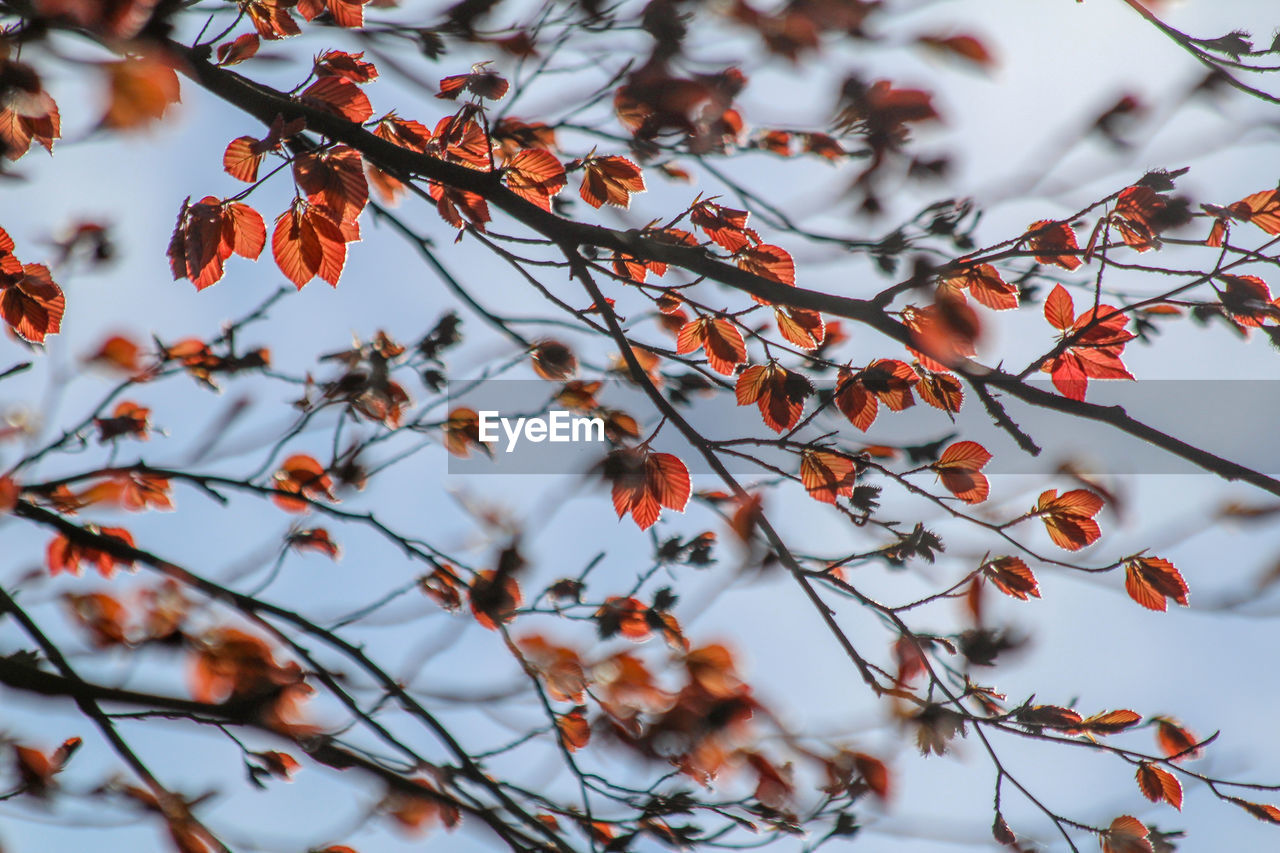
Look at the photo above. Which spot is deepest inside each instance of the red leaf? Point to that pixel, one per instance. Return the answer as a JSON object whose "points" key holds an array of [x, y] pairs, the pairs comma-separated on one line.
{"points": [[494, 600], [725, 226], [1059, 309], [314, 539], [31, 303], [139, 91], [351, 66], [341, 96], [574, 730], [334, 181], [237, 51], [244, 230], [986, 286], [962, 46]]}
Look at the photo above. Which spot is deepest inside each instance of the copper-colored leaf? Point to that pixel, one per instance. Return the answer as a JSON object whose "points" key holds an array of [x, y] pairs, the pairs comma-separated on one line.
{"points": [[301, 474], [722, 341], [1151, 580], [959, 467], [1126, 835], [535, 175], [306, 243], [238, 50], [644, 483], [339, 95], [1013, 577], [827, 475], [1069, 518], [779, 393], [31, 303], [574, 730], [1175, 741], [139, 91], [1054, 243], [610, 180], [1158, 784]]}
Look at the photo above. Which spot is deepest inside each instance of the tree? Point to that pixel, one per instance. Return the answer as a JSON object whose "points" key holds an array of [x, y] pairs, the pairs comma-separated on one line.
{"points": [[570, 701]]}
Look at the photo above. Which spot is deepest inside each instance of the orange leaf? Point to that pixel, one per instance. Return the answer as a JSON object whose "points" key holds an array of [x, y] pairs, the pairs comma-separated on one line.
{"points": [[1110, 722], [803, 328], [1069, 518], [238, 50], [29, 116], [63, 555], [406, 133], [139, 91], [940, 390], [574, 730], [494, 600], [334, 182], [1176, 742], [306, 243], [339, 95], [104, 617], [963, 46], [1126, 835], [242, 159], [1053, 243], [986, 286], [1012, 577], [351, 66], [1059, 309], [554, 361], [1151, 580], [827, 475], [314, 539], [725, 226], [302, 475], [874, 773], [272, 18], [610, 180], [959, 468], [1158, 784], [722, 341], [481, 83], [779, 393], [1261, 811], [645, 482], [30, 302], [535, 175], [766, 261]]}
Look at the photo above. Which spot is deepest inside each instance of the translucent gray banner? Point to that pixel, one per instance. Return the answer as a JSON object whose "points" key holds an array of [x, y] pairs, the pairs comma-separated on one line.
{"points": [[1234, 419]]}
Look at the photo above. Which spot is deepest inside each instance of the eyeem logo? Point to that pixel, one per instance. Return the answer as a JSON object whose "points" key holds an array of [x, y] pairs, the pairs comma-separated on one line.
{"points": [[557, 426]]}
